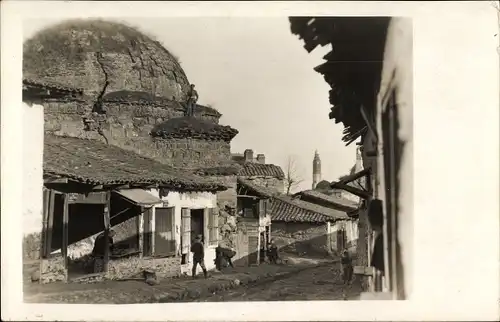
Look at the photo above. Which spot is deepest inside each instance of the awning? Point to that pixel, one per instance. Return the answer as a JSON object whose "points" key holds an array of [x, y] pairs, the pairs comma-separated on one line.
{"points": [[139, 197]]}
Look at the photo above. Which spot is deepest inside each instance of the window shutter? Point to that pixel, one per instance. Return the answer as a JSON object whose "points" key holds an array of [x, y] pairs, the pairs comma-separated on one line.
{"points": [[186, 230], [213, 226], [165, 232]]}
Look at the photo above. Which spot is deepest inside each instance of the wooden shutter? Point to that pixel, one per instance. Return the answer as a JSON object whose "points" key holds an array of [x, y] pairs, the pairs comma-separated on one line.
{"points": [[186, 230], [253, 248], [147, 232], [213, 226], [206, 226], [165, 232]]}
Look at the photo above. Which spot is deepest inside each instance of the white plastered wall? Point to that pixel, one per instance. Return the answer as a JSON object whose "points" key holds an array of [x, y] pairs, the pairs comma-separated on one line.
{"points": [[191, 200], [397, 73], [32, 180]]}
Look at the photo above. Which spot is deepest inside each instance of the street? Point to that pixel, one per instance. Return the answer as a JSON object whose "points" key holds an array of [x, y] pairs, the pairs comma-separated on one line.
{"points": [[319, 283]]}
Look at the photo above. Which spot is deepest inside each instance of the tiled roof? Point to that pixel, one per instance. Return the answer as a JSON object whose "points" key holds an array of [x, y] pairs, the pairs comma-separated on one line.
{"points": [[190, 127], [258, 189], [331, 199], [253, 169], [93, 162], [231, 169], [288, 209]]}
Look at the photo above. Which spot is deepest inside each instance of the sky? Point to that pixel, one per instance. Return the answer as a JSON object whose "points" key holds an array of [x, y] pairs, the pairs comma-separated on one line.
{"points": [[259, 76]]}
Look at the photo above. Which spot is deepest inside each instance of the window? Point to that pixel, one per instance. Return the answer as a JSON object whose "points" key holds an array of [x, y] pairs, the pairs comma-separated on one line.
{"points": [[213, 226], [164, 240]]}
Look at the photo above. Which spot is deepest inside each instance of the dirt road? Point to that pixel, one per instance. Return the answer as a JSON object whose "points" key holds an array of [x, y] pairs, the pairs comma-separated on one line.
{"points": [[320, 283]]}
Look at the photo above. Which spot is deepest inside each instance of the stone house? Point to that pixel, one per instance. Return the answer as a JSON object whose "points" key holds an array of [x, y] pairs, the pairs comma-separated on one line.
{"points": [[125, 89], [302, 227], [91, 187], [379, 115], [237, 174], [254, 210]]}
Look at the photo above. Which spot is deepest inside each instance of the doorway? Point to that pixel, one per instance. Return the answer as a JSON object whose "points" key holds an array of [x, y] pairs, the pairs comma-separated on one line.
{"points": [[197, 224]]}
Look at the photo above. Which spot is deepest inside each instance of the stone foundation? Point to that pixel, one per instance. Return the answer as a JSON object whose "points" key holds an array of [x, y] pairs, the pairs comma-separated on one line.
{"points": [[134, 266], [53, 270]]}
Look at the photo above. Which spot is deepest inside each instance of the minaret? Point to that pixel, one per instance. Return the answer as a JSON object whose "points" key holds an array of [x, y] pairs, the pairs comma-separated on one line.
{"points": [[316, 169]]}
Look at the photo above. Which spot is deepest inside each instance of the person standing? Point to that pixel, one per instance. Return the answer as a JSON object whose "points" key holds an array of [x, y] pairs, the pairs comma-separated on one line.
{"points": [[192, 98], [347, 268], [198, 250]]}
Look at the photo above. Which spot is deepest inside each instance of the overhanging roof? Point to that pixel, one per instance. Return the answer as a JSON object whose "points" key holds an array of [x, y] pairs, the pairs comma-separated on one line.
{"points": [[139, 197], [352, 68]]}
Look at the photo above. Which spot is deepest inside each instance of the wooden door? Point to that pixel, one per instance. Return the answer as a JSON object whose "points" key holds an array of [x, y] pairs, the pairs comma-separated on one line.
{"points": [[186, 230]]}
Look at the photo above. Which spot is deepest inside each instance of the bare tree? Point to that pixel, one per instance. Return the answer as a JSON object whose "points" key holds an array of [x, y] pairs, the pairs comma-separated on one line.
{"points": [[292, 176]]}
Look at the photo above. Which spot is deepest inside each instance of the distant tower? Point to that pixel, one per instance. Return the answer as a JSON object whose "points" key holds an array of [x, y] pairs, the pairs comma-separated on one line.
{"points": [[316, 169]]}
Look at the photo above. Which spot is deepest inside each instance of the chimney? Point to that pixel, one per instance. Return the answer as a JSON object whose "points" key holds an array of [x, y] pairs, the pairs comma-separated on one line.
{"points": [[248, 155], [261, 158]]}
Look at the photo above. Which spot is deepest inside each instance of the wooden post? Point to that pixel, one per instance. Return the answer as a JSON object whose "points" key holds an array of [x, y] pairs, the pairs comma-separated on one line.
{"points": [[45, 215], [140, 231], [64, 250], [50, 221], [107, 224]]}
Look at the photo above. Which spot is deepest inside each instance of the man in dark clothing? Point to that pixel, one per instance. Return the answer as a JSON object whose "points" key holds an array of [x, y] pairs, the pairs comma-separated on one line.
{"points": [[347, 268], [223, 256], [198, 250], [192, 98]]}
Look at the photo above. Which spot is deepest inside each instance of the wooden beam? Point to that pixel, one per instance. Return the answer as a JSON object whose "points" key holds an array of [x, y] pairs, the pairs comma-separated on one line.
{"points": [[107, 224], [355, 176], [365, 271], [55, 180], [368, 122], [355, 191], [64, 250], [45, 216], [247, 196], [50, 221]]}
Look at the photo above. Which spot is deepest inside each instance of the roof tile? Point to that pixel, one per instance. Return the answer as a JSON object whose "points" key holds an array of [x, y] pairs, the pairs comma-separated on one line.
{"points": [[93, 162], [288, 209]]}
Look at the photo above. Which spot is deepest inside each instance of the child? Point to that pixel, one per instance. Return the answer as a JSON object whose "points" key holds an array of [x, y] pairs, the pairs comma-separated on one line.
{"points": [[272, 252]]}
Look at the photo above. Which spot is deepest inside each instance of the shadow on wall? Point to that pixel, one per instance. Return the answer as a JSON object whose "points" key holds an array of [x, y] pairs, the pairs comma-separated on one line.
{"points": [[86, 221]]}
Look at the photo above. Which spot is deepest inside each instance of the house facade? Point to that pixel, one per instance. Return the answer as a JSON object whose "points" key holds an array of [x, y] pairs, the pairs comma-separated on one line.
{"points": [[301, 227], [155, 210], [373, 100], [249, 179]]}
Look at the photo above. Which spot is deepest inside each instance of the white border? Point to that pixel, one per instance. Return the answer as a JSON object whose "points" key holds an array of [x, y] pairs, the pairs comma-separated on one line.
{"points": [[456, 81]]}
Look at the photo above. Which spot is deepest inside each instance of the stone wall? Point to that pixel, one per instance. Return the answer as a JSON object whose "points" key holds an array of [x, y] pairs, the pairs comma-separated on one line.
{"points": [[53, 269], [270, 182], [32, 244], [229, 196], [124, 119], [133, 266], [301, 238]]}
